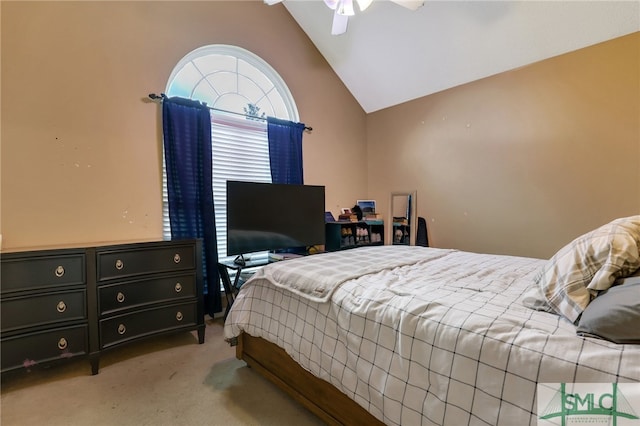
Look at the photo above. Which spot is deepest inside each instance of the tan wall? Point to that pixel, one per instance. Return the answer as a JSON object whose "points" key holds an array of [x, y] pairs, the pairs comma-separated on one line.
{"points": [[522, 162], [518, 163], [81, 150]]}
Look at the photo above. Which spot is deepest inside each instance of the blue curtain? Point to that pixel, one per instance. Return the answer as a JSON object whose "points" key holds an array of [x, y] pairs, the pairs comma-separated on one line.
{"points": [[285, 150], [187, 149]]}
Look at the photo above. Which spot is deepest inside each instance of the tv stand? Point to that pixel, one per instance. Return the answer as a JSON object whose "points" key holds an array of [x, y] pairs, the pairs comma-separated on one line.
{"points": [[276, 257], [230, 289], [237, 265]]}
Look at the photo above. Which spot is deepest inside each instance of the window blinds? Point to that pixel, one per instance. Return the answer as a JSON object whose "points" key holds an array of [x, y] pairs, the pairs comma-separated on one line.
{"points": [[240, 151]]}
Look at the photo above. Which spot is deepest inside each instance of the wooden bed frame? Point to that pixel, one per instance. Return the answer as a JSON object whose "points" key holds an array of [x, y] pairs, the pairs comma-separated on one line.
{"points": [[317, 395]]}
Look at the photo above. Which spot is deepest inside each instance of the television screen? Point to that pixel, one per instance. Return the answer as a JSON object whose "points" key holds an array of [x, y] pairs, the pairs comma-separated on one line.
{"points": [[268, 216]]}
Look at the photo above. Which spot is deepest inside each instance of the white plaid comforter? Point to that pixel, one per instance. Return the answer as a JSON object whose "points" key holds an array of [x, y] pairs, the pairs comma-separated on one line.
{"points": [[440, 341], [318, 279]]}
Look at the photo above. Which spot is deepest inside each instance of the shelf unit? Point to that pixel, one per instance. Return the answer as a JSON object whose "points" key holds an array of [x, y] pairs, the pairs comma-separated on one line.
{"points": [[343, 235], [400, 234]]}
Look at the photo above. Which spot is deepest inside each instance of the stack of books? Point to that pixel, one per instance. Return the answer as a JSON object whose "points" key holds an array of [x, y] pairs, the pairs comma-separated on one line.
{"points": [[400, 221], [348, 217]]}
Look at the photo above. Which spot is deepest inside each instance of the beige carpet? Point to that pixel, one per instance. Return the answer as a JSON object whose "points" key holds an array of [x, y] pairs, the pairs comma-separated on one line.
{"points": [[170, 380]]}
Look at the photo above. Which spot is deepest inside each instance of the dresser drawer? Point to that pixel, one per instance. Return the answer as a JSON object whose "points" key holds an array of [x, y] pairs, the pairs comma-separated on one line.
{"points": [[123, 328], [120, 263], [43, 309], [130, 294], [29, 272], [31, 349]]}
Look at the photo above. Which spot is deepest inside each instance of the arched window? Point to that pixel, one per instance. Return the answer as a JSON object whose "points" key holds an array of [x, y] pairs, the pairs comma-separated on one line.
{"points": [[242, 90], [233, 79]]}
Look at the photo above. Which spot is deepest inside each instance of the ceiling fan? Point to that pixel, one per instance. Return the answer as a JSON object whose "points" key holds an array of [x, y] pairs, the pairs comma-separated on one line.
{"points": [[344, 8]]}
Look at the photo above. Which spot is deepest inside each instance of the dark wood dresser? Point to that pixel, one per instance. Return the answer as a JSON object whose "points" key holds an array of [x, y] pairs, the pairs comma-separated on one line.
{"points": [[43, 307], [58, 304]]}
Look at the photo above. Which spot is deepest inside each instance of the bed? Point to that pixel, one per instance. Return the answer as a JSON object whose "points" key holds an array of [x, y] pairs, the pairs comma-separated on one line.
{"points": [[408, 335]]}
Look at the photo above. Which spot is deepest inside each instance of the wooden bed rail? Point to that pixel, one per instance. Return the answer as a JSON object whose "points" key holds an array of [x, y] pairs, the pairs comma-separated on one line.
{"points": [[317, 395]]}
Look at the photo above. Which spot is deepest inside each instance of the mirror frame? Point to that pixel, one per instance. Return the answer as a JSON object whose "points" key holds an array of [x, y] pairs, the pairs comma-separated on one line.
{"points": [[413, 220]]}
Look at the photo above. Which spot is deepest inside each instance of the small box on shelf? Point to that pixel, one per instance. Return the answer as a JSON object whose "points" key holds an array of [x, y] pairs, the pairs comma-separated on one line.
{"points": [[348, 217]]}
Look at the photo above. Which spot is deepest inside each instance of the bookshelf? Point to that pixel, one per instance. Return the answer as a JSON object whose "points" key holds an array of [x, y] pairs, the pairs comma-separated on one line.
{"points": [[343, 235], [401, 233]]}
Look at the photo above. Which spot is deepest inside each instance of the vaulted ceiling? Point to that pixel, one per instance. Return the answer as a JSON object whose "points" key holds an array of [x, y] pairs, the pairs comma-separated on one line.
{"points": [[390, 54]]}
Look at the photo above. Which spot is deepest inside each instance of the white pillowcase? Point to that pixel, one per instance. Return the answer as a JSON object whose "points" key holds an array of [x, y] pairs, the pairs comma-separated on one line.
{"points": [[590, 263]]}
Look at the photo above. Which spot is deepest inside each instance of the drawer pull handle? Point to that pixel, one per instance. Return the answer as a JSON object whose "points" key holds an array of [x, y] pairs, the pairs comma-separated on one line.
{"points": [[176, 258], [179, 316], [120, 297], [119, 264], [122, 329], [62, 343], [59, 271], [178, 287], [61, 306]]}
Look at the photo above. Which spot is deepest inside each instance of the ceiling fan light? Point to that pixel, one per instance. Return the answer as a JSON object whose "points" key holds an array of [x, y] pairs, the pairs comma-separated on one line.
{"points": [[332, 4], [339, 25], [363, 4], [345, 7]]}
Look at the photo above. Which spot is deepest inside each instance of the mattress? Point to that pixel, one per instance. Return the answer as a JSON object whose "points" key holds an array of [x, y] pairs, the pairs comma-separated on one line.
{"points": [[424, 336]]}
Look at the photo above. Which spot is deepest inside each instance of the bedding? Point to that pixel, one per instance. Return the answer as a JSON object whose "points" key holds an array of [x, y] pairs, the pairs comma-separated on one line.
{"points": [[316, 280], [587, 265], [420, 335], [614, 314]]}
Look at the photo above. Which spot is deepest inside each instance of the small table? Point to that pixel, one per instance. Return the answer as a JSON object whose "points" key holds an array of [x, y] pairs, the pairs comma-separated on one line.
{"points": [[231, 289]]}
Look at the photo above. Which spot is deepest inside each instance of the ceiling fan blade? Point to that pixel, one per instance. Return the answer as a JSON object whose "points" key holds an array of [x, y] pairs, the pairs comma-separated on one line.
{"points": [[339, 24], [271, 2], [363, 4], [331, 4], [409, 4], [345, 7]]}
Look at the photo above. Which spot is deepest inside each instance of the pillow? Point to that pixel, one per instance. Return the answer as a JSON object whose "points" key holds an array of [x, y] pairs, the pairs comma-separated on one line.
{"points": [[631, 279], [614, 314], [588, 264], [534, 298]]}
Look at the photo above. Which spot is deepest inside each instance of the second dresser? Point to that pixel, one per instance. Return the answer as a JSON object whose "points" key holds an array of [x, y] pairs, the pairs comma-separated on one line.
{"points": [[142, 290]]}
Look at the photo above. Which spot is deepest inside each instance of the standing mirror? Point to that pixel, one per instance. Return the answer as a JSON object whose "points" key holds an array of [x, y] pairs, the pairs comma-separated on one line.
{"points": [[403, 215]]}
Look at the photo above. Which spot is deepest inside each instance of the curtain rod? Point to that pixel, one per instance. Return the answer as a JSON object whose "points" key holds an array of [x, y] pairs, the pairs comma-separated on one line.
{"points": [[158, 98]]}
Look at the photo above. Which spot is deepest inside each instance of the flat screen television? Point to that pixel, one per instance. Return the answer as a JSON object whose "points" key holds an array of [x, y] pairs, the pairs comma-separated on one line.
{"points": [[274, 217]]}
